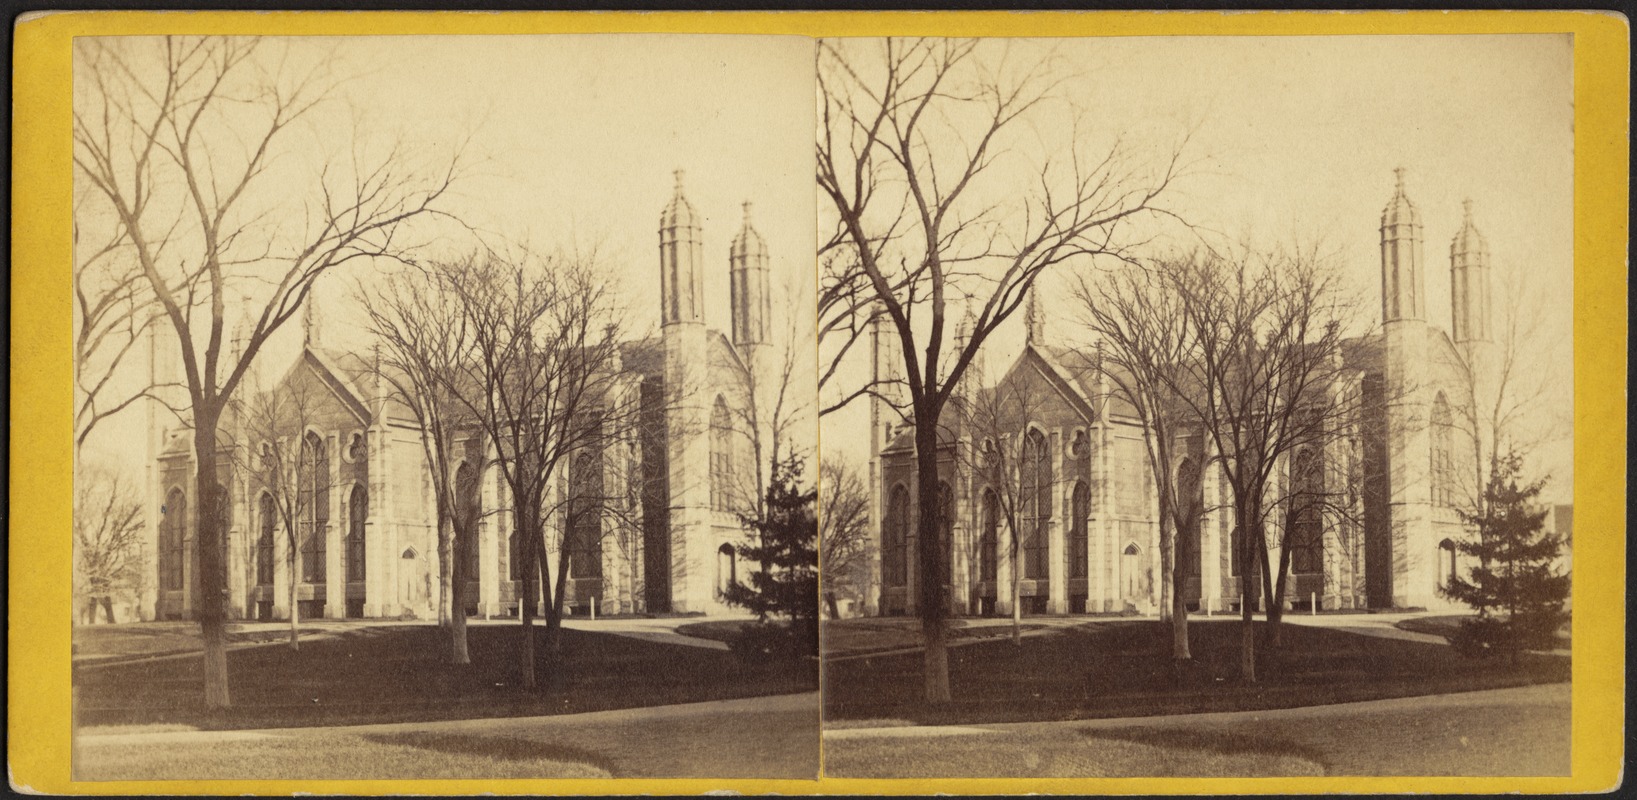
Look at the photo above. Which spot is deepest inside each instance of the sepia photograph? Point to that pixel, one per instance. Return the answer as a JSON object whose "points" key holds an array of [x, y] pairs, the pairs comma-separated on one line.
{"points": [[444, 408], [1219, 405]]}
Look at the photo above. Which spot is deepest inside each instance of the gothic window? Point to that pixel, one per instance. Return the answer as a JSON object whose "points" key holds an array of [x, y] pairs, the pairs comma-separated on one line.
{"points": [[1131, 570], [1079, 538], [895, 545], [357, 513], [1304, 531], [989, 543], [1443, 459], [1036, 503], [313, 496], [721, 468], [174, 548], [264, 541], [469, 509], [584, 543], [1191, 500]]}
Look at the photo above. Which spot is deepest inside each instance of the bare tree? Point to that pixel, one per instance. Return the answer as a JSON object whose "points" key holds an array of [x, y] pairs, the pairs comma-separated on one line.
{"points": [[924, 157], [540, 383], [107, 541], [422, 348], [1008, 459], [191, 145], [1268, 332], [845, 541], [1141, 342], [290, 466]]}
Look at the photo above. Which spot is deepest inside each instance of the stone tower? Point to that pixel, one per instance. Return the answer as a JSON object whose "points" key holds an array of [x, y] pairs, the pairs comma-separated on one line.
{"points": [[1470, 300], [752, 303], [687, 431], [1413, 556], [886, 372]]}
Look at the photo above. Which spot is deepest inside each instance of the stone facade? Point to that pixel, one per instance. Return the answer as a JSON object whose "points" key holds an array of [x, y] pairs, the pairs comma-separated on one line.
{"points": [[369, 545], [1397, 464]]}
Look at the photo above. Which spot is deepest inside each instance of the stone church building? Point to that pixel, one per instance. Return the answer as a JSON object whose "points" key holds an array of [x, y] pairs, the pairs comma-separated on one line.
{"points": [[1090, 542], [664, 538]]}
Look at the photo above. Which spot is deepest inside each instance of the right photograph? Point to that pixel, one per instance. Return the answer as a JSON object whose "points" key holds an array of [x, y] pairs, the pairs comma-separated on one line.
{"points": [[1196, 406]]}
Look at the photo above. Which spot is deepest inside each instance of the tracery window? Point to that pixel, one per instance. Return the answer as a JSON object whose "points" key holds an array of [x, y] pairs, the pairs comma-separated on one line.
{"points": [[895, 539], [357, 513], [469, 508], [264, 541], [175, 537], [721, 467], [1036, 505], [584, 544], [1304, 530], [313, 496], [1443, 458], [989, 541], [1079, 537]]}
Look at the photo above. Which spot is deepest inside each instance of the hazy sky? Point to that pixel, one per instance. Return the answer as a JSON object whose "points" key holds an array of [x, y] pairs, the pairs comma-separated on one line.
{"points": [[574, 141], [1300, 136]]}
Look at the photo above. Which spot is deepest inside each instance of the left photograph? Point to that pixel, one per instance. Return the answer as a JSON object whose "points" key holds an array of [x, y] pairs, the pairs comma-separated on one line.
{"points": [[444, 408]]}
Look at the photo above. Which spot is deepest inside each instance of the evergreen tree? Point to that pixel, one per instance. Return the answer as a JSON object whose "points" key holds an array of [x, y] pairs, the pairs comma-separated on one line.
{"points": [[785, 542], [1518, 595]]}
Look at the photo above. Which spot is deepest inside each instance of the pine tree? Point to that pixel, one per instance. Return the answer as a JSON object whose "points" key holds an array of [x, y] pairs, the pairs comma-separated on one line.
{"points": [[1518, 595], [785, 542]]}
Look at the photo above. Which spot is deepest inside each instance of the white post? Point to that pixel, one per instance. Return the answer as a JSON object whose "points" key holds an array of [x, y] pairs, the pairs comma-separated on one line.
{"points": [[1313, 604], [594, 608]]}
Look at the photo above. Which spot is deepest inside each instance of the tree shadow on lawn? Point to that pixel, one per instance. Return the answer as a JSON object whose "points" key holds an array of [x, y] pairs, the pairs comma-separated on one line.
{"points": [[504, 749], [399, 674], [1125, 669]]}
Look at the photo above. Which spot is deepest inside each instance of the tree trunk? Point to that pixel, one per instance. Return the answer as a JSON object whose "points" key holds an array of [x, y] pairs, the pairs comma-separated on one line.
{"points": [[1179, 603], [445, 566], [1017, 595], [107, 609], [1276, 600], [1168, 558], [528, 528], [1247, 596], [933, 608], [210, 603], [295, 608], [457, 618]]}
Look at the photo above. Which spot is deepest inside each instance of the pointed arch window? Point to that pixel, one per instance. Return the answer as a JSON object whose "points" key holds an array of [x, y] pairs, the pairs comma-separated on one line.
{"points": [[1191, 498], [721, 468], [1036, 503], [173, 549], [264, 541], [357, 515], [1443, 457], [1448, 569], [1079, 536], [989, 541], [584, 544], [313, 496], [469, 509], [895, 539], [1304, 530]]}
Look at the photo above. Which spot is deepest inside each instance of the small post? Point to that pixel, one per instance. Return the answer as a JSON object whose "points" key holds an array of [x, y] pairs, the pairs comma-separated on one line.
{"points": [[593, 608], [1313, 603]]}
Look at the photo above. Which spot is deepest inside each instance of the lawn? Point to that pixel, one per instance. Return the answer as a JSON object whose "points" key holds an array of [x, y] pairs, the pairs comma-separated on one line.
{"points": [[1446, 626], [880, 634], [1461, 734], [104, 642], [1123, 668], [398, 674]]}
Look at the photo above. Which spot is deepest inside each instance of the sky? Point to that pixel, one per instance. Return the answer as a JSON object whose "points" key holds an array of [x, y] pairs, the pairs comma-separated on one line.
{"points": [[1295, 139], [573, 142]]}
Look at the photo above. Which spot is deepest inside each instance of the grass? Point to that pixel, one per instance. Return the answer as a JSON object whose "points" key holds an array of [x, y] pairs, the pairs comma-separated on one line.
{"points": [[881, 634], [1451, 735], [721, 630], [109, 642], [399, 674], [1048, 755], [325, 756], [1123, 668], [774, 741], [1447, 625]]}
